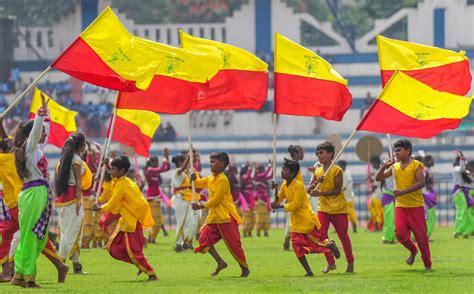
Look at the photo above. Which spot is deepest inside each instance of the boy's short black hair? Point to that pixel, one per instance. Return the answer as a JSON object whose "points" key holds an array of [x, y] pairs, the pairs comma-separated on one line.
{"points": [[326, 146], [221, 156], [121, 162], [403, 143], [292, 165]]}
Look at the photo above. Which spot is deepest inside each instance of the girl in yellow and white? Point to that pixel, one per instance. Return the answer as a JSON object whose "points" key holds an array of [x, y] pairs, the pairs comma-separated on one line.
{"points": [[72, 177], [186, 219]]}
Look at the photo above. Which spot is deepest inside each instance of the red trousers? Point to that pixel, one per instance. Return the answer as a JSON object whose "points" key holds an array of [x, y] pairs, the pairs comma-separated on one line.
{"points": [[310, 243], [229, 232], [8, 228], [339, 222], [106, 220], [409, 220], [128, 247]]}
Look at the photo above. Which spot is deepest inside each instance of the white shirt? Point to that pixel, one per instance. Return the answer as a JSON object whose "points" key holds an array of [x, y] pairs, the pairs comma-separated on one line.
{"points": [[36, 162], [348, 186]]}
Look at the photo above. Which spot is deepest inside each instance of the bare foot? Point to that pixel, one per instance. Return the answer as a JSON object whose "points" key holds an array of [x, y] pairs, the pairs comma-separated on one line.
{"points": [[152, 278], [32, 284], [428, 268], [329, 267], [62, 273], [5, 277], [411, 258], [220, 266], [350, 268], [335, 251], [245, 272], [18, 282]]}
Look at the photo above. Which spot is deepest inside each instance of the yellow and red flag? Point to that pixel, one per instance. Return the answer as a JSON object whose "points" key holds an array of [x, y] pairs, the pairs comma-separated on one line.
{"points": [[63, 120], [178, 80], [306, 84], [407, 107], [240, 83], [441, 69], [135, 128], [104, 55]]}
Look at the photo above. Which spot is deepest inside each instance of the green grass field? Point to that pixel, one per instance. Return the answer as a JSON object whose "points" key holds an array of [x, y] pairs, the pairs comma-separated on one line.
{"points": [[379, 268]]}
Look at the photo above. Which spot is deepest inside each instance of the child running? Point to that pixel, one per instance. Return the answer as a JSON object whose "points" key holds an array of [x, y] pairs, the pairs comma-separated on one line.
{"points": [[332, 207], [409, 205], [304, 226], [223, 220], [127, 241]]}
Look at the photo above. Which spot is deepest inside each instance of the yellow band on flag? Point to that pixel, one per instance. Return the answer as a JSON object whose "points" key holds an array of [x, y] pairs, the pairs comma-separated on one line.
{"points": [[402, 55], [180, 63], [146, 121], [58, 114], [111, 41], [294, 59], [231, 57], [421, 102]]}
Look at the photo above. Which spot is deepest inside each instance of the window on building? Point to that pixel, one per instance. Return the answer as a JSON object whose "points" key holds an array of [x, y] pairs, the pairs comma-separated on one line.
{"points": [[213, 34], [39, 39], [168, 36], [201, 32], [50, 39], [135, 32], [146, 33], [190, 31], [157, 35], [224, 37], [28, 38]]}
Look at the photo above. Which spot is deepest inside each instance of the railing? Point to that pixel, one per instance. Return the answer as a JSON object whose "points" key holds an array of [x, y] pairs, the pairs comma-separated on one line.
{"points": [[444, 210]]}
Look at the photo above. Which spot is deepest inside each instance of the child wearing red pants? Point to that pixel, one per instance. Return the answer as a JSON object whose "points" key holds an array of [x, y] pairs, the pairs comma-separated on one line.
{"points": [[332, 206], [409, 204]]}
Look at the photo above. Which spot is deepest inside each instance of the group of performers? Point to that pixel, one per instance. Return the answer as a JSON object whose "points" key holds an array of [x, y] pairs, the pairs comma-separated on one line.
{"points": [[229, 197]]}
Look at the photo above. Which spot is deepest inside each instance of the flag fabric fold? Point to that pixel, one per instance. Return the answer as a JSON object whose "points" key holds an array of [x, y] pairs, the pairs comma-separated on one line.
{"points": [[441, 69], [179, 79], [306, 84], [136, 128], [63, 120], [407, 107], [240, 83], [105, 55]]}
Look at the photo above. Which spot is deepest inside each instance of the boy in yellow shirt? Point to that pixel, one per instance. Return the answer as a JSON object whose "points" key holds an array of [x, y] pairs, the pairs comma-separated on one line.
{"points": [[223, 220], [332, 206], [304, 224], [409, 204], [127, 241]]}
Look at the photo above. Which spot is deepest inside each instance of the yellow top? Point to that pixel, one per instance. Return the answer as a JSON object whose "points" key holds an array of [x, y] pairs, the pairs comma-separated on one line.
{"points": [[302, 217], [404, 178], [220, 204], [330, 204], [128, 200], [107, 194], [11, 182], [282, 191]]}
